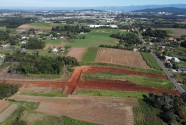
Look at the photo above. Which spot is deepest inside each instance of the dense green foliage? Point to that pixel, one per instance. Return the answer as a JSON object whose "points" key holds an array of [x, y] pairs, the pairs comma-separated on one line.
{"points": [[36, 64], [90, 54], [183, 44], [146, 115], [7, 90], [151, 61], [14, 22], [155, 33], [169, 105], [73, 29], [34, 43], [130, 38], [4, 36]]}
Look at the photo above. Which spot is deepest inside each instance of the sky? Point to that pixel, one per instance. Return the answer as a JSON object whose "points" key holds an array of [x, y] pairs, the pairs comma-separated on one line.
{"points": [[84, 3]]}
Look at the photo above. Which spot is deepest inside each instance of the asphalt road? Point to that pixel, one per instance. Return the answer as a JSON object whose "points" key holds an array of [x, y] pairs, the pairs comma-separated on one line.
{"points": [[179, 88]]}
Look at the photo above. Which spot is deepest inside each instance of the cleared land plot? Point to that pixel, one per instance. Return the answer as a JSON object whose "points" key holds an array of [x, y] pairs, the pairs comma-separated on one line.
{"points": [[92, 39], [77, 53], [90, 109], [109, 31], [25, 27], [8, 112], [151, 61], [3, 105], [175, 32], [50, 44], [2, 28], [121, 57], [90, 55], [41, 24]]}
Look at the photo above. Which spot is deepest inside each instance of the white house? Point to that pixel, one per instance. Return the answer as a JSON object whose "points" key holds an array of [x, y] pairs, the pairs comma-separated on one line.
{"points": [[24, 37], [55, 50], [23, 42], [2, 55], [169, 58]]}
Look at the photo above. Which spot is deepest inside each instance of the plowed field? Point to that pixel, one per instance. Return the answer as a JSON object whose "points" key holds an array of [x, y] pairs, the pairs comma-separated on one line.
{"points": [[121, 57], [25, 27], [77, 53]]}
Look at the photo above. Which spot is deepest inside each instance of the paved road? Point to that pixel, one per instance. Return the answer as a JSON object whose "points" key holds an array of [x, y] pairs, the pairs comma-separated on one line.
{"points": [[179, 88]]}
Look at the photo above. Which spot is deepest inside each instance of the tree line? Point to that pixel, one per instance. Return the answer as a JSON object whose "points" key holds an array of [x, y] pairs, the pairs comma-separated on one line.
{"points": [[129, 38], [172, 107], [36, 64], [73, 29], [155, 33], [7, 90], [34, 43], [14, 22]]}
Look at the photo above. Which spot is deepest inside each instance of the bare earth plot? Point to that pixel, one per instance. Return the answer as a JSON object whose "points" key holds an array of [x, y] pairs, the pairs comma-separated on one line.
{"points": [[56, 45], [24, 27], [121, 57], [7, 112], [3, 105], [100, 110], [77, 53], [177, 32]]}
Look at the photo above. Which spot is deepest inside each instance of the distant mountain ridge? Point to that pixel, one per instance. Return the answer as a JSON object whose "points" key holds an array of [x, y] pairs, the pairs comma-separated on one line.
{"points": [[165, 9], [114, 8]]}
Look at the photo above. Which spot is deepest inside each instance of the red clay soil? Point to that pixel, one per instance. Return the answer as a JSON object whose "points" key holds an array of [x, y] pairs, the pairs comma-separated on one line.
{"points": [[76, 80]]}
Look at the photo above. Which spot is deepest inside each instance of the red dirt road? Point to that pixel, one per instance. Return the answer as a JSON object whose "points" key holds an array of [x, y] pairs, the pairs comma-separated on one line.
{"points": [[76, 80]]}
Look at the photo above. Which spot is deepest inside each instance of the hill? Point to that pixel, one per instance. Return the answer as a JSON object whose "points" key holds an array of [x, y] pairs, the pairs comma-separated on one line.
{"points": [[165, 9]]}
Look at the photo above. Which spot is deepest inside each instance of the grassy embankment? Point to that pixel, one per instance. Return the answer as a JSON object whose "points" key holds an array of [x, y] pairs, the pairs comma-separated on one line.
{"points": [[151, 61], [139, 80]]}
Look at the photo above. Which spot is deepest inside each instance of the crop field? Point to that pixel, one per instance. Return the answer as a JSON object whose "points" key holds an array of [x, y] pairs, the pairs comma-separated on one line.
{"points": [[175, 32], [121, 57], [139, 80], [25, 27], [77, 53], [111, 31], [92, 39], [151, 61], [2, 28], [41, 24], [90, 55]]}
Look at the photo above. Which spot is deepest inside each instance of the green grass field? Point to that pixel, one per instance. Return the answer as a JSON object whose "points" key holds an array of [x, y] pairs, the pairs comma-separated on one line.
{"points": [[139, 80], [53, 41], [46, 94], [41, 24], [90, 55], [146, 115], [92, 39], [111, 93], [151, 61]]}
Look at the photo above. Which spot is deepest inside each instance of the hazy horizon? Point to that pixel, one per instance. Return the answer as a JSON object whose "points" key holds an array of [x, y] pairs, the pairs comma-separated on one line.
{"points": [[83, 3]]}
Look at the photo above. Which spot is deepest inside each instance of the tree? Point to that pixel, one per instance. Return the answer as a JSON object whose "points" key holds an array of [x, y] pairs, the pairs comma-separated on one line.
{"points": [[175, 66]]}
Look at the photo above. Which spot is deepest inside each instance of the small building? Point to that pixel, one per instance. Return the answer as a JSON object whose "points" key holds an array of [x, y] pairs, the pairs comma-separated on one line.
{"points": [[135, 50], [55, 50], [2, 55], [24, 37], [23, 42], [82, 33], [170, 58], [171, 38]]}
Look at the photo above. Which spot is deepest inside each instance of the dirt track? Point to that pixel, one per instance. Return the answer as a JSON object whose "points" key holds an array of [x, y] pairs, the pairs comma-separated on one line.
{"points": [[75, 80], [100, 110]]}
